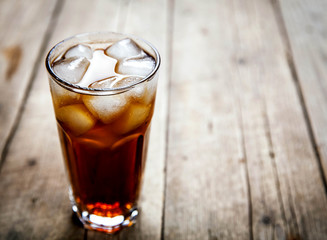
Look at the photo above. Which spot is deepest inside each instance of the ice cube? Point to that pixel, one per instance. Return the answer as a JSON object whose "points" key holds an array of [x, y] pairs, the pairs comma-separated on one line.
{"points": [[79, 51], [136, 66], [124, 49], [122, 142], [134, 117], [99, 137], [71, 69], [104, 83], [126, 81], [106, 108], [136, 92], [61, 96], [76, 117], [143, 92]]}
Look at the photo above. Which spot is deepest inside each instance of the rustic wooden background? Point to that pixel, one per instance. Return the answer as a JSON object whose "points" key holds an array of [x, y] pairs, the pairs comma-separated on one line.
{"points": [[239, 138]]}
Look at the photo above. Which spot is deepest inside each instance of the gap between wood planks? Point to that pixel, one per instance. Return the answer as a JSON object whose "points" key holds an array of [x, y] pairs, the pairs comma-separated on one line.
{"points": [[240, 123], [274, 165], [246, 169], [290, 60], [170, 30], [38, 61]]}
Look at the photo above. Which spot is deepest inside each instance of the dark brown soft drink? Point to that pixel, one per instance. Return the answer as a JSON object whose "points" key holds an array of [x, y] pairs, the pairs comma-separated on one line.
{"points": [[104, 102], [105, 168]]}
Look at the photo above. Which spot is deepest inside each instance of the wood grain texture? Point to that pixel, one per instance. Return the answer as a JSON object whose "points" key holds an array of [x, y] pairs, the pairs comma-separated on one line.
{"points": [[23, 29], [286, 198], [206, 195], [305, 23]]}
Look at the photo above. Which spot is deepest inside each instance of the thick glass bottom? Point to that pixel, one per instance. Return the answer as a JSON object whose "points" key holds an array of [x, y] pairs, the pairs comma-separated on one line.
{"points": [[108, 225]]}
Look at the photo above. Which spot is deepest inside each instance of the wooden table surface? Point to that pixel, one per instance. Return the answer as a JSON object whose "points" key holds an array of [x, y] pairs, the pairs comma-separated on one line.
{"points": [[239, 138]]}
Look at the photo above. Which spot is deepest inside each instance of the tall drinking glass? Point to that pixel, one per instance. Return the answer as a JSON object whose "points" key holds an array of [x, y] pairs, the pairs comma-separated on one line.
{"points": [[103, 87]]}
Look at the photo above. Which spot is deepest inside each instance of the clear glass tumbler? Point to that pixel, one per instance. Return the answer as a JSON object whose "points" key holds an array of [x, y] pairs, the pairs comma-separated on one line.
{"points": [[104, 134]]}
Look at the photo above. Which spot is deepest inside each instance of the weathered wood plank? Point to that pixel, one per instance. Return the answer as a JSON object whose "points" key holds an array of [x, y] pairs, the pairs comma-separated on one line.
{"points": [[306, 24], [22, 31], [35, 204], [288, 199], [206, 195], [252, 64], [300, 190]]}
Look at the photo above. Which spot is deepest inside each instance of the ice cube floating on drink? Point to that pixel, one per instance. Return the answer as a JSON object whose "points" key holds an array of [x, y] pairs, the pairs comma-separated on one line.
{"points": [[103, 87], [119, 65]]}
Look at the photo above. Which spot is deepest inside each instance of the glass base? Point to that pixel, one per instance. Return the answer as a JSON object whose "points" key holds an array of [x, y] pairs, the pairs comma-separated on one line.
{"points": [[108, 225]]}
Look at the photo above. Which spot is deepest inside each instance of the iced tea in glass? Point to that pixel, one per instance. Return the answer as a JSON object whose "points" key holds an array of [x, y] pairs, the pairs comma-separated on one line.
{"points": [[103, 87]]}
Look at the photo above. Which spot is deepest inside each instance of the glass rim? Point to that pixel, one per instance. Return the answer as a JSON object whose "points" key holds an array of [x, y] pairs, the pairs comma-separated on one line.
{"points": [[98, 91]]}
